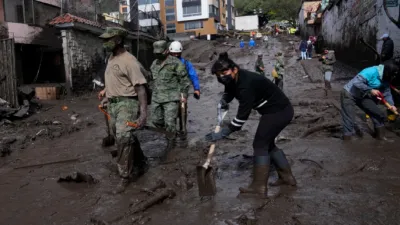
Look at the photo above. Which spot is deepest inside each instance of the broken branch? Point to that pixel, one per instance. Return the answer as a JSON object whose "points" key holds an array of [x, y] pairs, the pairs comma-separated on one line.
{"points": [[319, 128]]}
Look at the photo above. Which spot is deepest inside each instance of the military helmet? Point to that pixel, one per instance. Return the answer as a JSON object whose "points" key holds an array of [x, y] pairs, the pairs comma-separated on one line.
{"points": [[160, 46]]}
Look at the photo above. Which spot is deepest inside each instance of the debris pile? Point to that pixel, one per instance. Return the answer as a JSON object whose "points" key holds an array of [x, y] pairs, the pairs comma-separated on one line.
{"points": [[28, 105]]}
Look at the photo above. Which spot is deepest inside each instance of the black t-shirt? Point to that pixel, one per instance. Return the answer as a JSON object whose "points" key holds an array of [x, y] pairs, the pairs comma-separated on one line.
{"points": [[254, 92]]}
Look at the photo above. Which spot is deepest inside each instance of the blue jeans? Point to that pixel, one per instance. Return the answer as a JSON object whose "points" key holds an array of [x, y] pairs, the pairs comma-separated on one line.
{"points": [[348, 112], [303, 55]]}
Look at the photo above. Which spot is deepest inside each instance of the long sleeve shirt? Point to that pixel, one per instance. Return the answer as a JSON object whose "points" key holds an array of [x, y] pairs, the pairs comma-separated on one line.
{"points": [[192, 74], [253, 92], [370, 78], [170, 80]]}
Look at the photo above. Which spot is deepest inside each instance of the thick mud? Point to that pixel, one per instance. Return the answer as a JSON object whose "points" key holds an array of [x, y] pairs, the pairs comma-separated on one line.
{"points": [[352, 183]]}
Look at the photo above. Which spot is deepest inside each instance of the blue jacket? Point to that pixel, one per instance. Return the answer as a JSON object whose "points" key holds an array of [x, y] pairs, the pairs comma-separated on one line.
{"points": [[252, 43], [368, 79], [241, 44], [192, 74], [303, 46]]}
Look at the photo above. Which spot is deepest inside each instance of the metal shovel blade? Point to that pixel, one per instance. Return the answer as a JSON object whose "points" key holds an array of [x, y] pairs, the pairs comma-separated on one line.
{"points": [[206, 181], [108, 141]]}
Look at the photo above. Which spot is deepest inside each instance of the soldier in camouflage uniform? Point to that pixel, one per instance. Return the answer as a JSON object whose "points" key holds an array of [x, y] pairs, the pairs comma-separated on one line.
{"points": [[280, 70], [259, 66], [124, 94], [328, 60], [170, 83]]}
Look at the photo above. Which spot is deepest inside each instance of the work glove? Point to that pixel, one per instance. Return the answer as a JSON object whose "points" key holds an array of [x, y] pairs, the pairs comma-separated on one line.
{"points": [[223, 133], [224, 104], [196, 94]]}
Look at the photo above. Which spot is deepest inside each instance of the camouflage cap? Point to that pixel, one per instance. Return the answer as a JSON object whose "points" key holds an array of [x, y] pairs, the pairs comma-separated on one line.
{"points": [[114, 31], [160, 46]]}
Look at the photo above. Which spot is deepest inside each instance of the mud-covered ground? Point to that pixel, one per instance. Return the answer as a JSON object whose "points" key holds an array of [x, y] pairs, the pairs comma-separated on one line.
{"points": [[338, 183]]}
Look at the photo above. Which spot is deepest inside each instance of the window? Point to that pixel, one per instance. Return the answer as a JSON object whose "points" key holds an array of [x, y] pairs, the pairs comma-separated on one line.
{"points": [[193, 25], [213, 11], [169, 2], [19, 11], [170, 14], [144, 2], [192, 10], [171, 28]]}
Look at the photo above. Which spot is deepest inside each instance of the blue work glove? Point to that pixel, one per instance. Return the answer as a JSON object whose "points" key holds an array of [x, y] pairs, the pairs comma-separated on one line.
{"points": [[224, 104], [224, 132]]}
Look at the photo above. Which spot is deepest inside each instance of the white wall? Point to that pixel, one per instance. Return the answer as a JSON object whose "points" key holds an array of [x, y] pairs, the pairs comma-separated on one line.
{"points": [[246, 22], [150, 7], [204, 11]]}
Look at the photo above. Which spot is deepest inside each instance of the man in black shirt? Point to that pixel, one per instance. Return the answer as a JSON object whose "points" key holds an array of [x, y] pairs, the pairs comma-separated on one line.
{"points": [[256, 92]]}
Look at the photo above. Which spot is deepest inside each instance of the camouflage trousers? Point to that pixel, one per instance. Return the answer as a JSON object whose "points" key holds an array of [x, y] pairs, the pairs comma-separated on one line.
{"points": [[164, 115], [130, 154]]}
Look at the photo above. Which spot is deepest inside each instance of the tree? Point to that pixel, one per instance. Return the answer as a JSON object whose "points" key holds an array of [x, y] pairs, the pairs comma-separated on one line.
{"points": [[274, 9]]}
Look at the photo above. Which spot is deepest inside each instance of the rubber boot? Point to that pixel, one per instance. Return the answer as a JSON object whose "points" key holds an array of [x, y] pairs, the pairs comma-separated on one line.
{"points": [[171, 142], [347, 137], [283, 168], [123, 184], [260, 177], [140, 162], [380, 134], [328, 85]]}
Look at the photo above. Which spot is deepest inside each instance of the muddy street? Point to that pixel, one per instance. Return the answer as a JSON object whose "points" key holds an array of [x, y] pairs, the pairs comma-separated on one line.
{"points": [[338, 183]]}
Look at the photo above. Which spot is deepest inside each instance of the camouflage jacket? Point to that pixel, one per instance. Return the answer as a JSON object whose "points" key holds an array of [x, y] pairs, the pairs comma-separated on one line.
{"points": [[327, 63], [259, 63], [280, 67], [170, 80]]}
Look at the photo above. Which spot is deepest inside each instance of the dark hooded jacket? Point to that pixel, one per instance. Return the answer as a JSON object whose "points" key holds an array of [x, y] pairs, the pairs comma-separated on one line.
{"points": [[387, 50]]}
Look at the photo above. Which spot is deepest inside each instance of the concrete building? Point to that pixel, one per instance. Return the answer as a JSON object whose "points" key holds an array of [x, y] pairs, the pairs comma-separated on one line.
{"points": [[309, 18], [124, 9], [188, 17], [67, 53], [231, 14], [345, 22], [32, 49]]}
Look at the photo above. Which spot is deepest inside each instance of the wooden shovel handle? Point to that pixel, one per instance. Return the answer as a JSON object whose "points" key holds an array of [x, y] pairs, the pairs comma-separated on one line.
{"points": [[211, 151]]}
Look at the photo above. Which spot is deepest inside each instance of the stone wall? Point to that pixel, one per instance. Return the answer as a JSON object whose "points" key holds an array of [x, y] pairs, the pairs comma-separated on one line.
{"points": [[83, 57], [347, 21]]}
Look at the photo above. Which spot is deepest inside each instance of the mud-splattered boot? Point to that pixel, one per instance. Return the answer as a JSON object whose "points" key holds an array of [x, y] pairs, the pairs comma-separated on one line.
{"points": [[283, 168], [260, 177], [123, 184], [380, 134], [171, 143], [347, 137], [140, 163]]}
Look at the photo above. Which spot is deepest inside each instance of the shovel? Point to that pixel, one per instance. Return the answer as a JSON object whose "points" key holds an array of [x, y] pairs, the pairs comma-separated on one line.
{"points": [[183, 117], [109, 140], [205, 173]]}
